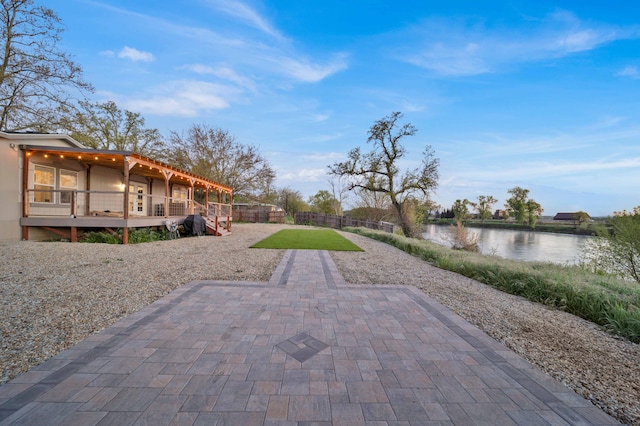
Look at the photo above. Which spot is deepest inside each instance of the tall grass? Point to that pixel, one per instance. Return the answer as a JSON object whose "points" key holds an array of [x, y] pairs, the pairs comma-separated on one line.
{"points": [[601, 299]]}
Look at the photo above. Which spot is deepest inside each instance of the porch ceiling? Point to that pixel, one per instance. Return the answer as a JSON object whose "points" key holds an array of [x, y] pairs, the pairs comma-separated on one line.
{"points": [[138, 165]]}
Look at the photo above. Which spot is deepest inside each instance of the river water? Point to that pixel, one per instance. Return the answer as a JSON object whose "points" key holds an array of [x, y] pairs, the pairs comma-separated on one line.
{"points": [[518, 245]]}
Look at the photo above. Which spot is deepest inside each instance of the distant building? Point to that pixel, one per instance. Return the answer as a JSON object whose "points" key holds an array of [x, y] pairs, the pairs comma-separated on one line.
{"points": [[499, 214], [572, 217]]}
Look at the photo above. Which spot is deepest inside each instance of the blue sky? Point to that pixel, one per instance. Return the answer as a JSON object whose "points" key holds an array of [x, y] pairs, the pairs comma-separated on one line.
{"points": [[541, 95]]}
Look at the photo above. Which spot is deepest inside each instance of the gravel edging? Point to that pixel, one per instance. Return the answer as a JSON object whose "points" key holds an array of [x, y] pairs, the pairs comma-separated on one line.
{"points": [[56, 294]]}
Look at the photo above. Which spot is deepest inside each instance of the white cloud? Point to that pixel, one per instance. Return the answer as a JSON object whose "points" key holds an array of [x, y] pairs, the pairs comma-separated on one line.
{"points": [[273, 56], [245, 13], [223, 72], [135, 55], [307, 71], [183, 98], [325, 156], [629, 71], [302, 175], [320, 117], [470, 48]]}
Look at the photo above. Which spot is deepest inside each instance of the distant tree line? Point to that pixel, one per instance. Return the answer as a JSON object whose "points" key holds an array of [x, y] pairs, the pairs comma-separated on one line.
{"points": [[519, 206]]}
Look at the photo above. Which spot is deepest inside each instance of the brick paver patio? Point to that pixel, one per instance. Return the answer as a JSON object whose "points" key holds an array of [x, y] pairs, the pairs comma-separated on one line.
{"points": [[301, 349]]}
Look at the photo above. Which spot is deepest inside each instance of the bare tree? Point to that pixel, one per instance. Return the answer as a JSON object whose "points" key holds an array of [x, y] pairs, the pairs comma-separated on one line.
{"points": [[214, 153], [36, 77], [339, 190], [105, 126], [378, 170]]}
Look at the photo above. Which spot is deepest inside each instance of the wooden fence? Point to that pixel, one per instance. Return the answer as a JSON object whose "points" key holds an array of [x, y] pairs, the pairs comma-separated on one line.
{"points": [[258, 216], [338, 222]]}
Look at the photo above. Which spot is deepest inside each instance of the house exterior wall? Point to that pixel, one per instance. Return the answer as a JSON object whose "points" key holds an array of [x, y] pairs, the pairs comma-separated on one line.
{"points": [[105, 179], [157, 198], [10, 196], [11, 161]]}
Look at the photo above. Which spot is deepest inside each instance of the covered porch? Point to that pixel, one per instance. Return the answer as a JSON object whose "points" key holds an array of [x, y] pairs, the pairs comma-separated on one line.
{"points": [[67, 190]]}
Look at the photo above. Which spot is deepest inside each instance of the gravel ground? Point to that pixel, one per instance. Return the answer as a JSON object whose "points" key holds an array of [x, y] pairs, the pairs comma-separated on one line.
{"points": [[56, 294]]}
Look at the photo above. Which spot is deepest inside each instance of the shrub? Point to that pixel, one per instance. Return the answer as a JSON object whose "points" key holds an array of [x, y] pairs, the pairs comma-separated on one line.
{"points": [[618, 250], [136, 236]]}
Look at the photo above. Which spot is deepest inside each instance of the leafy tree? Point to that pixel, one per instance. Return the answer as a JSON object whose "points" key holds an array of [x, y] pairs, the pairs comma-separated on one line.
{"points": [[105, 126], [580, 217], [534, 211], [36, 77], [460, 210], [484, 206], [523, 209], [516, 206], [324, 202], [617, 250], [291, 201], [214, 153], [378, 171]]}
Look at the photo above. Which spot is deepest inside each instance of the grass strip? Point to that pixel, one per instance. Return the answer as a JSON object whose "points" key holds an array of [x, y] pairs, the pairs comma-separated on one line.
{"points": [[307, 239], [601, 299]]}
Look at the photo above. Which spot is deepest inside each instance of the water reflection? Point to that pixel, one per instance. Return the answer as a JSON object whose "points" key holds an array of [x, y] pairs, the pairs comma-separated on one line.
{"points": [[519, 245]]}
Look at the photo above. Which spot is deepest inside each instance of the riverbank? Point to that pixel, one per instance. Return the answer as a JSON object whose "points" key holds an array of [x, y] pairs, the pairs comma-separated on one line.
{"points": [[588, 229]]}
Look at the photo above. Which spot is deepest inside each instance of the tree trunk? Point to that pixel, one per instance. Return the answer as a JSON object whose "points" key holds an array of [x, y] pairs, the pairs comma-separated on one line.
{"points": [[405, 221]]}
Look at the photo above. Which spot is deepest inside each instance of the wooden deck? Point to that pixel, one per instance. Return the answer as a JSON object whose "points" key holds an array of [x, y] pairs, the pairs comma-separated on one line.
{"points": [[113, 190]]}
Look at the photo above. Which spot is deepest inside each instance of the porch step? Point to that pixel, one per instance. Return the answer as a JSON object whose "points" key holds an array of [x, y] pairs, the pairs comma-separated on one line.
{"points": [[211, 227]]}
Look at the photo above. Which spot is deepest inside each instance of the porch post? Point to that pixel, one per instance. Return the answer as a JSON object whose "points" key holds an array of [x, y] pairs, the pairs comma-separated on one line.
{"points": [[125, 230], [166, 194], [87, 201], [25, 193], [206, 200], [230, 219], [192, 196], [125, 210]]}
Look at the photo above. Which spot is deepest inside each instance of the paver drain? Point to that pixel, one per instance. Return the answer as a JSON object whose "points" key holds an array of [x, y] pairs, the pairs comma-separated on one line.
{"points": [[302, 346]]}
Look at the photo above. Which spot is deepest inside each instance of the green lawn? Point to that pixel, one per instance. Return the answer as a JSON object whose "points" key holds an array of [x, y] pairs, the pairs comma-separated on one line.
{"points": [[307, 239]]}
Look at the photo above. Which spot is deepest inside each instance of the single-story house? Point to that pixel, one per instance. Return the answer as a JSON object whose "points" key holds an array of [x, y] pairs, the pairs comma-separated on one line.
{"points": [[51, 185], [571, 217], [499, 214]]}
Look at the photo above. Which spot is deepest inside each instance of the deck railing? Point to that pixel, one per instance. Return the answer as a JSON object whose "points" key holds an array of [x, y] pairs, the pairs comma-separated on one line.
{"points": [[65, 203]]}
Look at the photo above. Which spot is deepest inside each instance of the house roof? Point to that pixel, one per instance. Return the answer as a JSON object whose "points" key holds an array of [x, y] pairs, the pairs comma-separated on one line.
{"points": [[565, 216], [30, 136], [138, 164]]}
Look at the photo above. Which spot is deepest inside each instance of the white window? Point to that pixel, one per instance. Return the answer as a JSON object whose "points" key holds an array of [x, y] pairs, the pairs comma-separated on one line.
{"points": [[44, 182], [180, 193], [68, 180]]}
